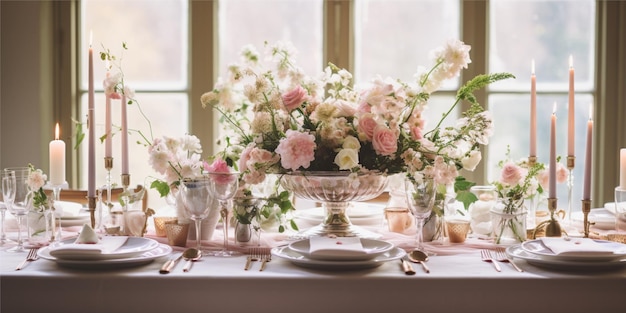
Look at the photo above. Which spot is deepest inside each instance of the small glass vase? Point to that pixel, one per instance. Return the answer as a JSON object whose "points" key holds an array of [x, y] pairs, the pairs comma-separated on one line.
{"points": [[41, 226], [508, 219], [247, 234]]}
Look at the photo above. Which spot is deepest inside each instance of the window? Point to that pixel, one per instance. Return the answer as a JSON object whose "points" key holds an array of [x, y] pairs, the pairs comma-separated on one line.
{"points": [[391, 38]]}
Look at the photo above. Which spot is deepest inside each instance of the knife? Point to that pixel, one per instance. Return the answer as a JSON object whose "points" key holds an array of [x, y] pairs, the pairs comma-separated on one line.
{"points": [[169, 265], [407, 267]]}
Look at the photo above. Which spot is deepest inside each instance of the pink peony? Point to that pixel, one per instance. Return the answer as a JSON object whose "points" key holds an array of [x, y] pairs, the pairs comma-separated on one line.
{"points": [[561, 173], [294, 98], [220, 172], [511, 174], [384, 141], [296, 150]]}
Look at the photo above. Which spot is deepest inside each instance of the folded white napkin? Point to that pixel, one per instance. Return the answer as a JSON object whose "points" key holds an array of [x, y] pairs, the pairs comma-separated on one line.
{"points": [[106, 245], [332, 247], [576, 246], [68, 209]]}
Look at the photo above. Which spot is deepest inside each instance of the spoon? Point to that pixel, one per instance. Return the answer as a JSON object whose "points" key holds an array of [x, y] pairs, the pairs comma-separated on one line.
{"points": [[418, 256], [191, 255]]}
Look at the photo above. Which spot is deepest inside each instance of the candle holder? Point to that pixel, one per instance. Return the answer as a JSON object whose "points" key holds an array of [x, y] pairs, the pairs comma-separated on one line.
{"points": [[551, 226], [586, 223], [532, 201], [570, 185], [54, 217], [108, 165], [91, 203]]}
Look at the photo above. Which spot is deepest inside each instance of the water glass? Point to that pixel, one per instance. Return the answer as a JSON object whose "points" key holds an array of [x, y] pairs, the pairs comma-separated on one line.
{"points": [[21, 204], [8, 196], [420, 198]]}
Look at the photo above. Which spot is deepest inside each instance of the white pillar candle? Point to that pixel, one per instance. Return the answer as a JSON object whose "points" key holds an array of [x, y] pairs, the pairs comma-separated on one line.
{"points": [[57, 159]]}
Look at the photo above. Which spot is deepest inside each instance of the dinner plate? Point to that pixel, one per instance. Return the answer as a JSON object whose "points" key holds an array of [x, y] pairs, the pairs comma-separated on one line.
{"points": [[132, 247], [298, 259], [372, 248], [603, 218], [144, 258], [516, 251], [537, 247]]}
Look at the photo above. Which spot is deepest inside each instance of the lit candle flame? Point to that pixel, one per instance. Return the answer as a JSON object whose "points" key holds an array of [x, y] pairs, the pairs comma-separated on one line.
{"points": [[590, 111], [90, 37], [571, 61], [532, 66], [56, 132], [554, 108]]}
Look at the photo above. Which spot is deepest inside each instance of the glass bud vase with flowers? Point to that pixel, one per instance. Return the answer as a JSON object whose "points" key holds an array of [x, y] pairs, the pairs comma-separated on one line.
{"points": [[41, 218], [518, 181]]}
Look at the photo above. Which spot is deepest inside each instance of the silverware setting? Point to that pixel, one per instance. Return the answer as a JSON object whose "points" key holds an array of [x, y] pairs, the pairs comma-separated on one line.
{"points": [[407, 267], [32, 256], [486, 256], [501, 256], [263, 255], [169, 265]]}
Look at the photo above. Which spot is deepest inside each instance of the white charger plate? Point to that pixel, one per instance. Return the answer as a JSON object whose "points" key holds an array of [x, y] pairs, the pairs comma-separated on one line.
{"points": [[372, 248], [537, 247], [516, 251], [133, 247], [298, 259], [144, 258]]}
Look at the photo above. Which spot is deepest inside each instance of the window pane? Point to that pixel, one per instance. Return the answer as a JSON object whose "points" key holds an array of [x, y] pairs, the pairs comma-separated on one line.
{"points": [[394, 37], [548, 32], [244, 22], [156, 35]]}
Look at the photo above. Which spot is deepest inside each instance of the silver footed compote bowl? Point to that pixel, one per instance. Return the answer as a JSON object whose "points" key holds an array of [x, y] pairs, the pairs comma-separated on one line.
{"points": [[335, 190]]}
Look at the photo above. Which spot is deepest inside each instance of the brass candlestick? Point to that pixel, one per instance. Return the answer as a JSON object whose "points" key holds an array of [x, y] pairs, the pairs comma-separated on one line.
{"points": [[91, 201], [532, 160], [552, 226], [570, 186], [586, 222], [125, 181]]}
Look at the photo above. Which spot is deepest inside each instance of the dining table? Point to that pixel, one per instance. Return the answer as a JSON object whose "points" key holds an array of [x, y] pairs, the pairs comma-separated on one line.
{"points": [[458, 281]]}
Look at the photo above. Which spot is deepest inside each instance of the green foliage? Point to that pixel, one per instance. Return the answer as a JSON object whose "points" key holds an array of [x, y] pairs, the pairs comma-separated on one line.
{"points": [[162, 187]]}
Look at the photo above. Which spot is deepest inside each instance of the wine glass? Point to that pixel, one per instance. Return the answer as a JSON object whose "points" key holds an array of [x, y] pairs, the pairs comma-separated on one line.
{"points": [[19, 207], [420, 196], [224, 186], [196, 196], [8, 196]]}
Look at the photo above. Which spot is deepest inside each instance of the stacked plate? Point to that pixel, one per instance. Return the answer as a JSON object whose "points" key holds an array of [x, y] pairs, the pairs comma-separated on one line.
{"points": [[363, 214], [110, 252], [72, 213], [369, 254], [572, 254]]}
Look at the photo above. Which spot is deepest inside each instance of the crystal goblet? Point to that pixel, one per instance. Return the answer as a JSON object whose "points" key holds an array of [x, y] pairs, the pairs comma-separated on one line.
{"points": [[224, 186], [8, 196], [420, 196], [196, 197], [21, 204]]}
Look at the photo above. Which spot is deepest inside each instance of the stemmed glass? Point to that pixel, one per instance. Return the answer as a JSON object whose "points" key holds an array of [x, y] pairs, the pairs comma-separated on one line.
{"points": [[224, 186], [8, 196], [420, 196], [20, 206], [196, 196]]}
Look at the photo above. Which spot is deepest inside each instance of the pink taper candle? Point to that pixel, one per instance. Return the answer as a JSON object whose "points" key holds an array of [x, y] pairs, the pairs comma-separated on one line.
{"points": [[533, 111], [91, 170], [108, 146], [587, 178], [552, 168], [622, 168], [570, 112], [124, 137]]}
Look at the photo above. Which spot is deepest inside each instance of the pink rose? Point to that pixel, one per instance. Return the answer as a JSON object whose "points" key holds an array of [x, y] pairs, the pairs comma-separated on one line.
{"points": [[243, 159], [544, 179], [294, 98], [296, 150], [366, 126], [384, 141], [220, 172], [511, 174], [561, 173]]}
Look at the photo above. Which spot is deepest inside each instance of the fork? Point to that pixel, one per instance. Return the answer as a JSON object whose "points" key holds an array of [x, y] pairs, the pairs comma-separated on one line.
{"points": [[502, 257], [253, 255], [32, 256], [486, 256], [266, 256]]}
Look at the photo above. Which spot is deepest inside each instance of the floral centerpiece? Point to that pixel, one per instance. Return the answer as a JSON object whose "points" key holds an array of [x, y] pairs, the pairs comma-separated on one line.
{"points": [[282, 120], [519, 181]]}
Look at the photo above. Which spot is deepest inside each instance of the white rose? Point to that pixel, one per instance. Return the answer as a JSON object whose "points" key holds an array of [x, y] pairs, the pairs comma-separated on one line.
{"points": [[470, 162], [347, 159], [351, 142]]}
